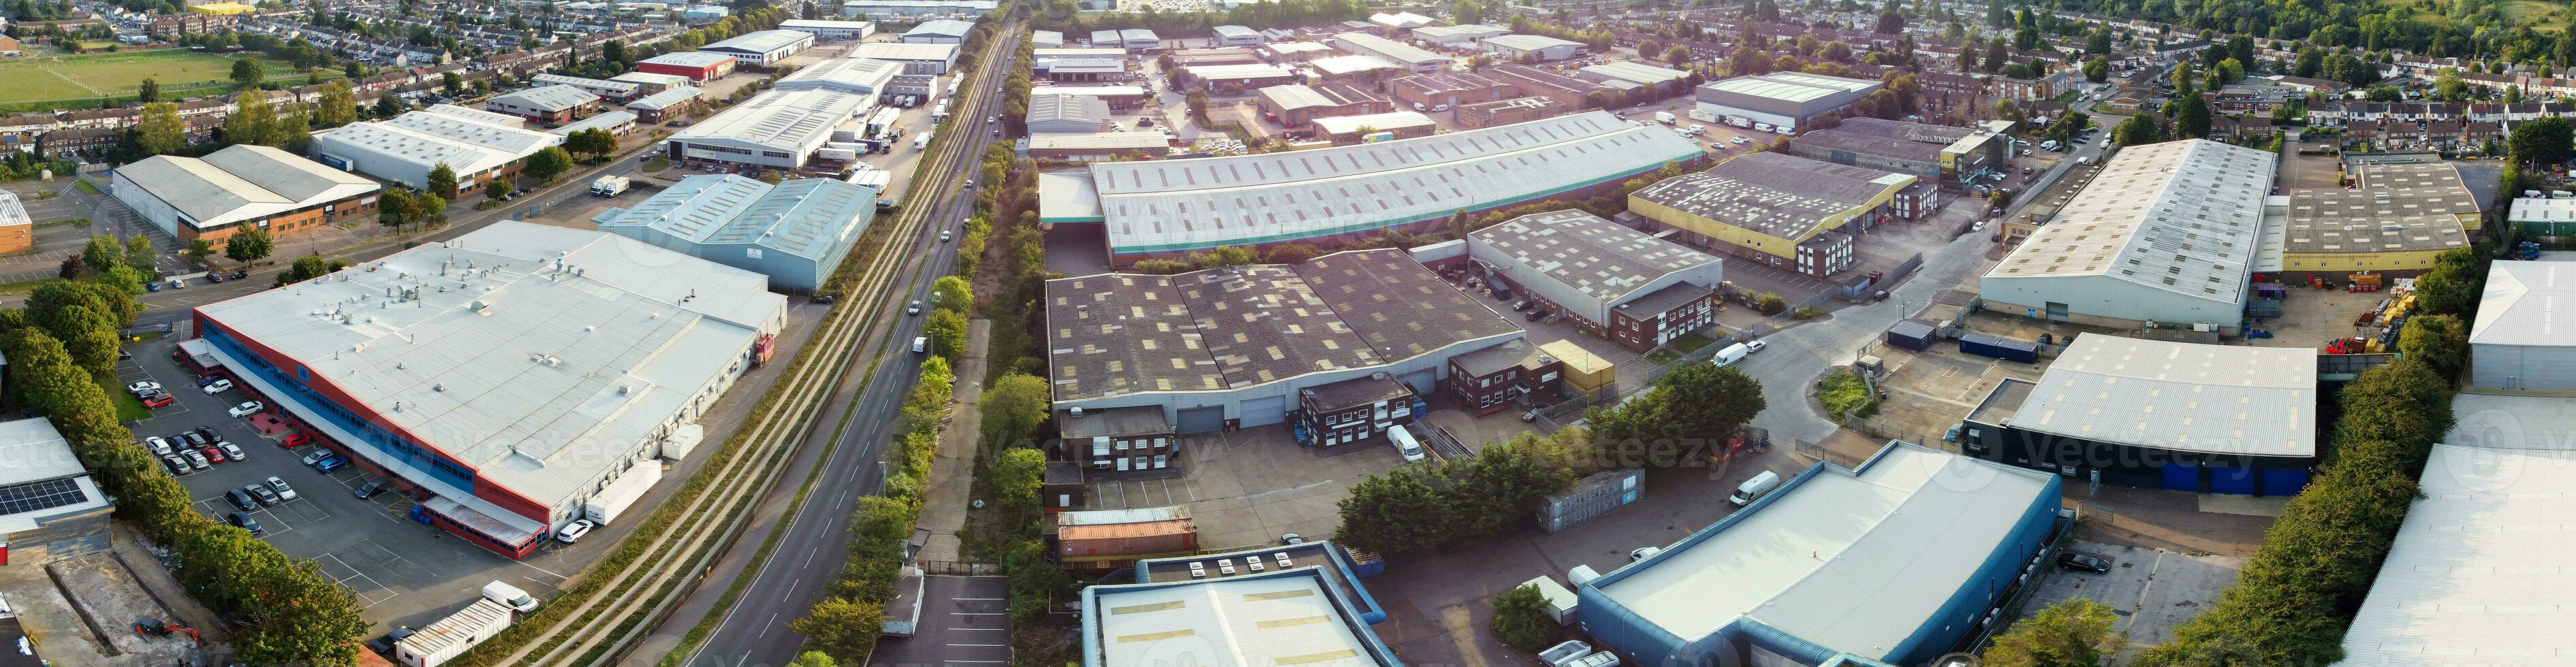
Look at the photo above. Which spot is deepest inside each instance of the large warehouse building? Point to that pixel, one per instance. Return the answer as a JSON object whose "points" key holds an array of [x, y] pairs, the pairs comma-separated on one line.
{"points": [[777, 129], [2477, 570], [796, 232], [1896, 561], [1615, 282], [239, 187], [1954, 157], [932, 59], [850, 75], [1782, 210], [1412, 58], [551, 105], [405, 149], [1173, 208], [506, 376], [697, 65], [2511, 345], [765, 47], [1236, 346], [2395, 220], [2159, 414], [2165, 233], [1297, 604], [1783, 99]]}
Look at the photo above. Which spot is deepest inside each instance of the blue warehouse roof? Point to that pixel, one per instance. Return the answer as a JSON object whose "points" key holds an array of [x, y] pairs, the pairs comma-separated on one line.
{"points": [[806, 218]]}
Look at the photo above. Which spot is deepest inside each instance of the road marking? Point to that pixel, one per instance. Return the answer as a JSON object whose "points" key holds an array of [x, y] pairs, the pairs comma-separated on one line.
{"points": [[974, 613], [975, 629], [979, 599], [764, 627], [809, 558]]}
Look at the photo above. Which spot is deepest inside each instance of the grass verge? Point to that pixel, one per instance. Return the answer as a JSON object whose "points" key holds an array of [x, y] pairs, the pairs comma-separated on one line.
{"points": [[1844, 394], [85, 186], [128, 408]]}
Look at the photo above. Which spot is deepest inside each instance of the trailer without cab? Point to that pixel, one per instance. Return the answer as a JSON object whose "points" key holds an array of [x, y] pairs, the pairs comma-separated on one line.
{"points": [[1666, 117], [2008, 349], [604, 507], [610, 186], [921, 142], [454, 635]]}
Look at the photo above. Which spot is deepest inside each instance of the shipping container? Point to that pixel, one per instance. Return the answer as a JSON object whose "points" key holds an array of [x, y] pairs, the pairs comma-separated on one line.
{"points": [[1560, 602], [604, 507], [1910, 335], [1586, 374], [1113, 546], [1591, 497], [2008, 349], [452, 636]]}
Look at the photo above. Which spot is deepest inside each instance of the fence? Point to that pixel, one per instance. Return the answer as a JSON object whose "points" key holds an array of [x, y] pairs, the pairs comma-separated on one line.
{"points": [[961, 569]]}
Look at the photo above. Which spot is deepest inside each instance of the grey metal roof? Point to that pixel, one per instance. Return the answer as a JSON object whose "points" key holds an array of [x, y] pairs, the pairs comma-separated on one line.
{"points": [[1790, 86], [1591, 256], [2520, 305], [1234, 327], [785, 120], [1121, 141], [556, 97], [2180, 396], [12, 213], [1776, 194], [2378, 219], [1514, 353], [607, 120], [1366, 44], [1288, 97], [853, 75], [1131, 420], [904, 51], [666, 99], [1916, 142], [240, 182], [625, 87], [804, 217], [942, 27], [689, 59], [1528, 42], [534, 376], [1189, 204], [1392, 120], [1630, 70], [1841, 558], [761, 41], [2181, 216], [1358, 391], [1068, 108]]}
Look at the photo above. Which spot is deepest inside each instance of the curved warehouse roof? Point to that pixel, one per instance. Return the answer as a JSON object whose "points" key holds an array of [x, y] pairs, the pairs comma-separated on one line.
{"points": [[1792, 86], [1184, 205], [557, 97]]}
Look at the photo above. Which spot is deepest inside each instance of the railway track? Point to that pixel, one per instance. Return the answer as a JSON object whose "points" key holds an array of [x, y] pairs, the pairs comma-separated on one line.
{"points": [[627, 605]]}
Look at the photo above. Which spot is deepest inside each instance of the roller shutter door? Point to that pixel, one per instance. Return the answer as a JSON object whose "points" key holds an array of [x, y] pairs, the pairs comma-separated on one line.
{"points": [[1264, 411], [1421, 381], [2182, 477], [1203, 420]]}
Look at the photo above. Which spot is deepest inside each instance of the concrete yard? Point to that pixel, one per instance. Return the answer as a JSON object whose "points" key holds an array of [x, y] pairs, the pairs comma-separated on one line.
{"points": [[2152, 591], [1246, 487]]}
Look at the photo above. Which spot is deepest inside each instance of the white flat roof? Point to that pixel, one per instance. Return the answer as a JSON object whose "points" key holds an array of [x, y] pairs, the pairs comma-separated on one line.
{"points": [[824, 23], [533, 377], [862, 75], [11, 212], [905, 51], [557, 97], [427, 139], [762, 41], [1283, 618], [642, 78], [30, 450], [665, 99], [2181, 216], [2483, 571], [1790, 86], [785, 120], [2520, 305], [689, 59], [1392, 120], [2230, 399], [1528, 42], [1367, 44], [1855, 561], [942, 28]]}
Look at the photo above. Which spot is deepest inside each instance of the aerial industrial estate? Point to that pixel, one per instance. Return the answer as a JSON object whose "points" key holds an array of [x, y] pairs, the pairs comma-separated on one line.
{"points": [[966, 332]]}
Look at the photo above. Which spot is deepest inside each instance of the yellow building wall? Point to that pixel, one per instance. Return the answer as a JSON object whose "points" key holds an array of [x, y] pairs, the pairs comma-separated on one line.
{"points": [[2413, 260], [17, 239]]}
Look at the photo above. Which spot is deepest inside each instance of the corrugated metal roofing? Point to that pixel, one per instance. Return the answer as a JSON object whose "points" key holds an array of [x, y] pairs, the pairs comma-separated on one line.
{"points": [[784, 120], [2182, 216], [941, 27], [1776, 194], [11, 212], [1284, 618], [2520, 306], [665, 99], [804, 217], [238, 183], [1595, 257], [688, 59], [1367, 44], [1392, 120], [763, 41], [853, 75], [556, 97], [2181, 396]]}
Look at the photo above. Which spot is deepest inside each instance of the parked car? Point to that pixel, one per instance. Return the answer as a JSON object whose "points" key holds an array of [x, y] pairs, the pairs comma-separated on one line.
{"points": [[1753, 346], [197, 439], [262, 494], [208, 379], [572, 532], [219, 386], [296, 439], [329, 463], [241, 499], [2083, 562], [247, 408], [232, 451], [371, 489], [243, 521], [207, 432], [913, 308], [178, 466], [284, 492], [160, 400], [159, 446], [143, 387], [196, 459], [1535, 314], [213, 454], [317, 456]]}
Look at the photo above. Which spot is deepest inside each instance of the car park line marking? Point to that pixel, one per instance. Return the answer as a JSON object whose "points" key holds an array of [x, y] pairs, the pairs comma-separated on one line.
{"points": [[540, 569]]}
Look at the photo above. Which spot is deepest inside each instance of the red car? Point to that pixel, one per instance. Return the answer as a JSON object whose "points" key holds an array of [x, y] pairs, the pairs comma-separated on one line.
{"points": [[213, 455], [296, 439], [159, 400]]}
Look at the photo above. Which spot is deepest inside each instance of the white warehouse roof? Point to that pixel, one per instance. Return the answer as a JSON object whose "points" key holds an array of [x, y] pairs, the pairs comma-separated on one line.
{"points": [[666, 99], [1389, 121], [1166, 205], [762, 41], [784, 120], [854, 75], [428, 139], [2482, 570], [803, 217], [11, 212], [2183, 217], [941, 28], [533, 355], [557, 97], [1285, 617], [2229, 399], [2521, 304], [688, 59], [239, 183]]}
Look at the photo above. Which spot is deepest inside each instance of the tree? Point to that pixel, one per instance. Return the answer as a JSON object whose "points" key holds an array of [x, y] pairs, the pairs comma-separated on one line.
{"points": [[497, 189], [549, 163], [1197, 102], [1677, 54], [2075, 631], [2006, 110], [1997, 53], [394, 207], [2192, 120], [2097, 69], [1461, 224], [150, 92], [814, 658], [1012, 408], [103, 253], [2542, 141], [251, 120], [2098, 42], [248, 72], [160, 131], [198, 250], [614, 51], [388, 106], [2438, 340], [338, 105], [1694, 403], [1521, 620], [951, 292], [428, 209], [454, 84], [1890, 22], [307, 267], [946, 330], [139, 253], [1467, 12], [248, 244], [293, 133], [842, 627], [442, 180], [2137, 130]]}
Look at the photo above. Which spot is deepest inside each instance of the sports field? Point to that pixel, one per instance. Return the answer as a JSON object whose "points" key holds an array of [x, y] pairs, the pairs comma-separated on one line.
{"points": [[95, 75]]}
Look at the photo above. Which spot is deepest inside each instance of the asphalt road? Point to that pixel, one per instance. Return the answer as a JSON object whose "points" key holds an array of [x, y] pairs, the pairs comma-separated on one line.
{"points": [[965, 622], [809, 555]]}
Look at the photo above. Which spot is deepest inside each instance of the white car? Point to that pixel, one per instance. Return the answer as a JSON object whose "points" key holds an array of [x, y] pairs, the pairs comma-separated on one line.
{"points": [[247, 408], [159, 446], [219, 386], [572, 532], [913, 308], [1754, 346], [143, 387], [284, 492], [232, 451], [1738, 140]]}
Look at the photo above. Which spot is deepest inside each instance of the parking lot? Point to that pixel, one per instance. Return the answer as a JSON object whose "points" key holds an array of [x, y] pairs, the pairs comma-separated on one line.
{"points": [[403, 572], [2152, 591], [1245, 488]]}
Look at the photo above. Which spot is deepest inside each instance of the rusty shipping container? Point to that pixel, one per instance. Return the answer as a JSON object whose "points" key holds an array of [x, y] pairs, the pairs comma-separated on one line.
{"points": [[1111, 546]]}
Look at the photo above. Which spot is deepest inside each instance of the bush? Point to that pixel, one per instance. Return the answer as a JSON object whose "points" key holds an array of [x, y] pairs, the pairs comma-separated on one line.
{"points": [[1770, 303], [1521, 620], [1807, 312], [1846, 394], [1426, 507]]}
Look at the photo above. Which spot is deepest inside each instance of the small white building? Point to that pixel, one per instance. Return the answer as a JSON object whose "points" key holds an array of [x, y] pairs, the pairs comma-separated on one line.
{"points": [[830, 29], [2511, 345], [1235, 35], [1540, 47], [763, 47]]}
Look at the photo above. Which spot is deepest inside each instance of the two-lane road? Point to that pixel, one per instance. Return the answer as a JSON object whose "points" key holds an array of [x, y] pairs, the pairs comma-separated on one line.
{"points": [[810, 553]]}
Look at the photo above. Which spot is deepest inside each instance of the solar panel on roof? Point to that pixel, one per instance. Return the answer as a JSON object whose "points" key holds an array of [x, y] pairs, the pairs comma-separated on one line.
{"points": [[40, 495]]}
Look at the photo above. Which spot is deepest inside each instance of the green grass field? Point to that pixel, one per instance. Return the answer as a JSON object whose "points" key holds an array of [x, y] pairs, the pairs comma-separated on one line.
{"points": [[38, 82], [2539, 14]]}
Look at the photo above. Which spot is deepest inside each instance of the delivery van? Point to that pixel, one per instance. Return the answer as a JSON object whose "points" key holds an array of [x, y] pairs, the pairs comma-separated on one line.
{"points": [[1753, 489], [1404, 443], [1730, 355], [509, 596]]}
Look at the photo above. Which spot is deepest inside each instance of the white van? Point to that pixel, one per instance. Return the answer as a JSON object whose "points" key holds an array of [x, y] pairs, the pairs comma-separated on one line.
{"points": [[1730, 355], [920, 343], [1404, 443], [1753, 489], [509, 596]]}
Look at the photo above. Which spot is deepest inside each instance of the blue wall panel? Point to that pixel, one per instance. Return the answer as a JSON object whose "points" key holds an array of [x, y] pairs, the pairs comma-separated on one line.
{"points": [[2182, 477]]}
